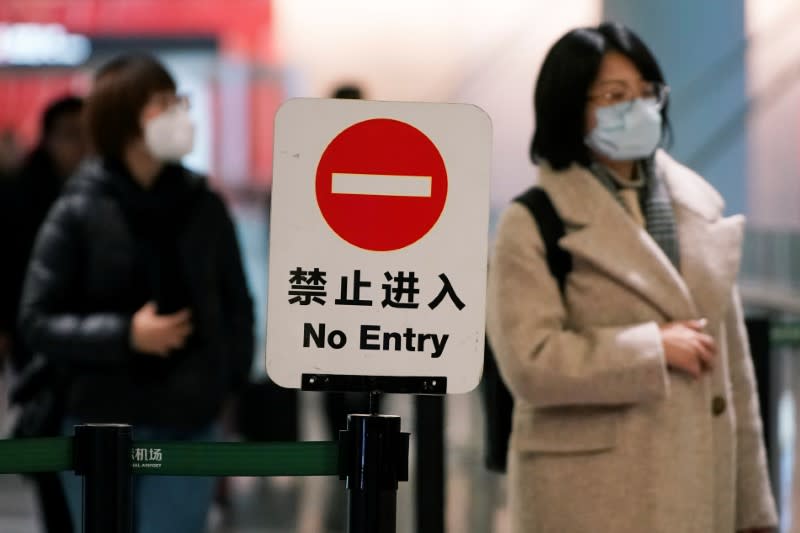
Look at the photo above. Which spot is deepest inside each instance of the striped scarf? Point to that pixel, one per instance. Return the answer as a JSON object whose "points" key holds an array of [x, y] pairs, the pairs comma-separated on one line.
{"points": [[655, 201]]}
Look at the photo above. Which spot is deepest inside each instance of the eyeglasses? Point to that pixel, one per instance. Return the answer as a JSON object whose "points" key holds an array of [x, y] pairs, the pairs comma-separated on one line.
{"points": [[182, 101], [615, 92], [169, 100]]}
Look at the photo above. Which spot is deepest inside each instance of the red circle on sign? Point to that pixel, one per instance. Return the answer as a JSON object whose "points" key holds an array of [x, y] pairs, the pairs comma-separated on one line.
{"points": [[381, 184]]}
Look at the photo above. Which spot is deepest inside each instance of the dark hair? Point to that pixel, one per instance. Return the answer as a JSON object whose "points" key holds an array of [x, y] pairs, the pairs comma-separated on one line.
{"points": [[66, 105], [122, 88], [351, 92], [568, 71]]}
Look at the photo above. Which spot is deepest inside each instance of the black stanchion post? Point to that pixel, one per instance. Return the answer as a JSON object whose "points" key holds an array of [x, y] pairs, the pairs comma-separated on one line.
{"points": [[373, 458], [767, 364], [102, 455], [430, 470]]}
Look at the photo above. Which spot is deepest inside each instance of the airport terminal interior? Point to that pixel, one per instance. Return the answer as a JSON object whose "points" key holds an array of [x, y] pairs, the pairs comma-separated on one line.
{"points": [[733, 68]]}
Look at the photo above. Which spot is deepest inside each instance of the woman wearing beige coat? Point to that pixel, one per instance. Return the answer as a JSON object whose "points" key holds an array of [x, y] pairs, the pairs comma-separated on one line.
{"points": [[635, 401]]}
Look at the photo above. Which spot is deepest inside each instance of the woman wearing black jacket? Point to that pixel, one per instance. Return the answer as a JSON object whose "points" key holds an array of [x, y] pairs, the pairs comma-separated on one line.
{"points": [[136, 287]]}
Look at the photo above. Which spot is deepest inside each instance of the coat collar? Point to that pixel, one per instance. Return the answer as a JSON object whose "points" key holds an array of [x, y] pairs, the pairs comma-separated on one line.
{"points": [[711, 245], [688, 190], [601, 232]]}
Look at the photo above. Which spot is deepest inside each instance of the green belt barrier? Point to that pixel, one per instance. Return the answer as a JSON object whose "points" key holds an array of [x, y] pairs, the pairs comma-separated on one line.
{"points": [[22, 456], [235, 458], [785, 334]]}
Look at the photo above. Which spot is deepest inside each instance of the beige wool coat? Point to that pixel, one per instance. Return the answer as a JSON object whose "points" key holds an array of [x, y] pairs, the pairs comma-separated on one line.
{"points": [[605, 437]]}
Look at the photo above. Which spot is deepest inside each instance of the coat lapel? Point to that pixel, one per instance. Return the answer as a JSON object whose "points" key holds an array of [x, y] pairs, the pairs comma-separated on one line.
{"points": [[599, 231], [710, 244]]}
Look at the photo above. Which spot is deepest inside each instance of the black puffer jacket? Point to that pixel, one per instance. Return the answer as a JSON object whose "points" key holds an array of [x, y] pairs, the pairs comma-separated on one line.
{"points": [[84, 284]]}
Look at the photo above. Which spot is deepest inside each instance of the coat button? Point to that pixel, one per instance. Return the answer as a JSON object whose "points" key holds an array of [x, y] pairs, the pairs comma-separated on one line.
{"points": [[718, 405]]}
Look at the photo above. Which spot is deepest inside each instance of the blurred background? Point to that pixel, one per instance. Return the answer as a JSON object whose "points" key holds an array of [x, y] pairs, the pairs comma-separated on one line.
{"points": [[734, 70]]}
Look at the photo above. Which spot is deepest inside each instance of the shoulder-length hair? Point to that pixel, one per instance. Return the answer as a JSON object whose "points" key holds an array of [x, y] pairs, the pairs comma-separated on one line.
{"points": [[561, 93], [122, 88]]}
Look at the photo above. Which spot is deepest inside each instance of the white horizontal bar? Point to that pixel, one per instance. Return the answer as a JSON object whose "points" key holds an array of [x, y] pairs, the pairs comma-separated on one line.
{"points": [[381, 184]]}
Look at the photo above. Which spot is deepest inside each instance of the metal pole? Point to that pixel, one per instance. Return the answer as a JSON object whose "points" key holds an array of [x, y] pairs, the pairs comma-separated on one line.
{"points": [[767, 364], [102, 455], [430, 470], [373, 458]]}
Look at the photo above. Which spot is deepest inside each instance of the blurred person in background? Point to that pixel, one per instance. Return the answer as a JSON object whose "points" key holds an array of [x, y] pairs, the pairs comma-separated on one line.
{"points": [[9, 163], [27, 199], [26, 202], [635, 399], [10, 154], [136, 287]]}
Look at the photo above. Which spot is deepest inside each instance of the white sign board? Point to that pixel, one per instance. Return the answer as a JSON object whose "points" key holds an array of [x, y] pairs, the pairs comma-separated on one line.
{"points": [[378, 245]]}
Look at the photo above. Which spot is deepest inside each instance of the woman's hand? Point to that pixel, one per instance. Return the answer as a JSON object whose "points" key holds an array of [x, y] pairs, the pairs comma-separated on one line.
{"points": [[156, 334], [687, 348]]}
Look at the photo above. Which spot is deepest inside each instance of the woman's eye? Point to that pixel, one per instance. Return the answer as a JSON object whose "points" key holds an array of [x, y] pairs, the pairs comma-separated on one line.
{"points": [[616, 96]]}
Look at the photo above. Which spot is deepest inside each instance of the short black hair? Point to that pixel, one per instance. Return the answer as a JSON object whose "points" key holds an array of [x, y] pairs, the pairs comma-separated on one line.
{"points": [[569, 69], [66, 105], [350, 92], [121, 90]]}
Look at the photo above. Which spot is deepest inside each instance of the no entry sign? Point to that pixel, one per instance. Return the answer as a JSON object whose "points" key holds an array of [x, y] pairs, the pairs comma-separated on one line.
{"points": [[381, 184], [378, 245]]}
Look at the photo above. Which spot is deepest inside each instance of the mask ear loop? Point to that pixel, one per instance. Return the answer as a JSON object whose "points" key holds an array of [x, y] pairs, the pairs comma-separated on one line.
{"points": [[663, 98]]}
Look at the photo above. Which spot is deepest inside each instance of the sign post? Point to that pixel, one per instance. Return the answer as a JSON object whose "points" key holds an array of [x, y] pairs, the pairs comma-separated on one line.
{"points": [[378, 255]]}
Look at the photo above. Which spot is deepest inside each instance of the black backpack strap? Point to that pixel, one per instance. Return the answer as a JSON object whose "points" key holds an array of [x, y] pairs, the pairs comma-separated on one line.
{"points": [[551, 227], [498, 402]]}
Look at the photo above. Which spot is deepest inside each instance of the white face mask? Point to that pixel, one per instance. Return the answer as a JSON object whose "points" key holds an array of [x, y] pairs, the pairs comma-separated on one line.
{"points": [[170, 135], [627, 131]]}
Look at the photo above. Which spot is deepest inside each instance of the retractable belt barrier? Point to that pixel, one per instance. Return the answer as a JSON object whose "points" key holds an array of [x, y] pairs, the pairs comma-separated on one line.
{"points": [[24, 456], [782, 334], [372, 456]]}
